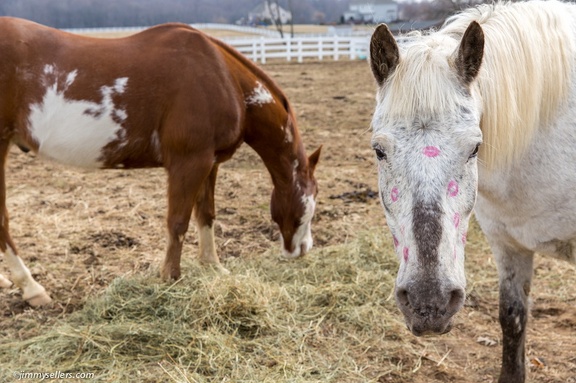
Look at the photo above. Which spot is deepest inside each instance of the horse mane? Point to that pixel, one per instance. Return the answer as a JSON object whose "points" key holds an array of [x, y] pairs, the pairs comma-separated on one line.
{"points": [[526, 74], [256, 70], [270, 84], [524, 80]]}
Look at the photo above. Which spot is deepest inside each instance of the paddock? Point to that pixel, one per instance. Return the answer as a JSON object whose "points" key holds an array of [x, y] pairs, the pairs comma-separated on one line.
{"points": [[86, 235]]}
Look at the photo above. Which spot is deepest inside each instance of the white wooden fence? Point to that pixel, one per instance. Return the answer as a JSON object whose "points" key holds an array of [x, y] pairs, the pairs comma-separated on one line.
{"points": [[268, 46], [261, 49]]}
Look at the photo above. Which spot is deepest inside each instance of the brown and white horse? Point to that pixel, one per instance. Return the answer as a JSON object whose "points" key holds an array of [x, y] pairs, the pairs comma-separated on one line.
{"points": [[169, 96]]}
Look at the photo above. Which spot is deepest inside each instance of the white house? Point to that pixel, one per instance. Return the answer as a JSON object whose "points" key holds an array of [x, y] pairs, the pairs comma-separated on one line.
{"points": [[265, 13], [371, 11]]}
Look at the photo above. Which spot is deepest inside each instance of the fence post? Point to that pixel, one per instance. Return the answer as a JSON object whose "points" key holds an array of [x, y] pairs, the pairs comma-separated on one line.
{"points": [[262, 50], [289, 49], [255, 51], [300, 58], [335, 49], [320, 48]]}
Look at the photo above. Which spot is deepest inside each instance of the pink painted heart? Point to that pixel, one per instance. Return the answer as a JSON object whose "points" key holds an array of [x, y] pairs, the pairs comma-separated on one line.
{"points": [[394, 194], [431, 151], [456, 219], [405, 252], [453, 188]]}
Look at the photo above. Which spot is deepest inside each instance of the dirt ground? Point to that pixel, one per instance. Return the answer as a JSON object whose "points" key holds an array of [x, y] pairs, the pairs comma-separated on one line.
{"points": [[78, 230]]}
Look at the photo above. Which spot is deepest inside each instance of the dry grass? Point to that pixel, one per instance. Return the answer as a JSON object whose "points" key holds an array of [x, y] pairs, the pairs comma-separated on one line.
{"points": [[323, 318]]}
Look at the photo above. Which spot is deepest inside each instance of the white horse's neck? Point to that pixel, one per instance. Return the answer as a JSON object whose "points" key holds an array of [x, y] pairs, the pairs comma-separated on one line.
{"points": [[530, 203]]}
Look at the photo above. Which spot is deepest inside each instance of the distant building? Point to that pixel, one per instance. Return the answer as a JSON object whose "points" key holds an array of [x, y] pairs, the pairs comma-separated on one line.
{"points": [[371, 11], [264, 14]]}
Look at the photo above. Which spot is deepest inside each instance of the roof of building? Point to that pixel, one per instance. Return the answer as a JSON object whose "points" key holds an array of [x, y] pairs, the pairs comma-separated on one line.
{"points": [[375, 2]]}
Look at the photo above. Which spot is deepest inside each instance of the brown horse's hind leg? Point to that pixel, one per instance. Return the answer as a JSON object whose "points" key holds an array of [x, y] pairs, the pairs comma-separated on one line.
{"points": [[205, 214], [185, 177], [32, 291]]}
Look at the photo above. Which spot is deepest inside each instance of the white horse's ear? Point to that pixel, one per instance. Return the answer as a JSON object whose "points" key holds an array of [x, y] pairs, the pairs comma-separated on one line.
{"points": [[470, 52], [384, 54]]}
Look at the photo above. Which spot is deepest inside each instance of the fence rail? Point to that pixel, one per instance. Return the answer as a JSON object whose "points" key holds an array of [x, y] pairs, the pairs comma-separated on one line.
{"points": [[269, 46], [225, 27], [298, 48]]}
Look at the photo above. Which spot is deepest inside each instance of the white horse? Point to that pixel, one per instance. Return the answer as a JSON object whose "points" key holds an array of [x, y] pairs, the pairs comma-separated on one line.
{"points": [[502, 76]]}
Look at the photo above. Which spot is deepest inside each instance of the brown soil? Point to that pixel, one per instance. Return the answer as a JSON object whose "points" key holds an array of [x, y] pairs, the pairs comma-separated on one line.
{"points": [[78, 230]]}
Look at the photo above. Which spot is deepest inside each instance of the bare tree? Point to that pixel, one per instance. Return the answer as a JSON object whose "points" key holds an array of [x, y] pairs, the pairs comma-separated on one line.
{"points": [[291, 18], [276, 18]]}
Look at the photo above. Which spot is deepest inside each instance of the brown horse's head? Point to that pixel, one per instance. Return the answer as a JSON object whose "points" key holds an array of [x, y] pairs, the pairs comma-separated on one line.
{"points": [[293, 207]]}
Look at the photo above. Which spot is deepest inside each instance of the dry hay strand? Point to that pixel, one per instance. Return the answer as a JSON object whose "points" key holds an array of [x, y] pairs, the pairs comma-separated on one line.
{"points": [[327, 317]]}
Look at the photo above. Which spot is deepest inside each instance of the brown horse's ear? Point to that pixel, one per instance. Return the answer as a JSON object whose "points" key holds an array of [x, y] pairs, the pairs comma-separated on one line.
{"points": [[313, 159], [384, 54], [470, 52]]}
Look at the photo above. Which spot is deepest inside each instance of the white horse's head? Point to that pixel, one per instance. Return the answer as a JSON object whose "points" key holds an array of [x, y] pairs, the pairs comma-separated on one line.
{"points": [[426, 134]]}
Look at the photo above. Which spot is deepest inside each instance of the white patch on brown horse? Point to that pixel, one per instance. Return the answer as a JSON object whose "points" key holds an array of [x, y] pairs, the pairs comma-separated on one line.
{"points": [[260, 96], [74, 132], [288, 135], [207, 249], [303, 235]]}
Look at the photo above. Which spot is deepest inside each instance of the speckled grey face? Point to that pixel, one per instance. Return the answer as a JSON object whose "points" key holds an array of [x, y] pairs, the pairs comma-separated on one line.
{"points": [[426, 134], [428, 181]]}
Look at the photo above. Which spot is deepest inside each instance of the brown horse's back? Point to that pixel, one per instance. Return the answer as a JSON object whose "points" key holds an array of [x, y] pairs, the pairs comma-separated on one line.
{"points": [[175, 89]]}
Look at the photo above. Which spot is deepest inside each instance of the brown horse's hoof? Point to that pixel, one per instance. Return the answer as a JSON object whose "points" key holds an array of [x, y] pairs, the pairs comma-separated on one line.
{"points": [[220, 269], [39, 300], [216, 266], [169, 274], [5, 282]]}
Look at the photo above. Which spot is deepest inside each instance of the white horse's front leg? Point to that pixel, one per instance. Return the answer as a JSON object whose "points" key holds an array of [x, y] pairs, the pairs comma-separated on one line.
{"points": [[32, 291], [515, 271]]}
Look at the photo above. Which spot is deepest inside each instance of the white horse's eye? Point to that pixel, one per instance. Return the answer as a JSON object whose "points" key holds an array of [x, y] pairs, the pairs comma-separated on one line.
{"points": [[380, 154], [475, 152]]}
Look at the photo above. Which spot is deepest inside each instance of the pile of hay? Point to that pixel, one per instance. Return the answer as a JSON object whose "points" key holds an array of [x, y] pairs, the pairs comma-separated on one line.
{"points": [[326, 317]]}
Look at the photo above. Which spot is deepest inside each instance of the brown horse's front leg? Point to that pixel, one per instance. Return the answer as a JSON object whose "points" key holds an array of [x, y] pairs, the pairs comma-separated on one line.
{"points": [[185, 177], [205, 214]]}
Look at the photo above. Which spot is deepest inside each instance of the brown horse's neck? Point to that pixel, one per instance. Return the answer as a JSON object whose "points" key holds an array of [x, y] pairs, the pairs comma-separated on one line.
{"points": [[279, 145], [270, 126]]}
